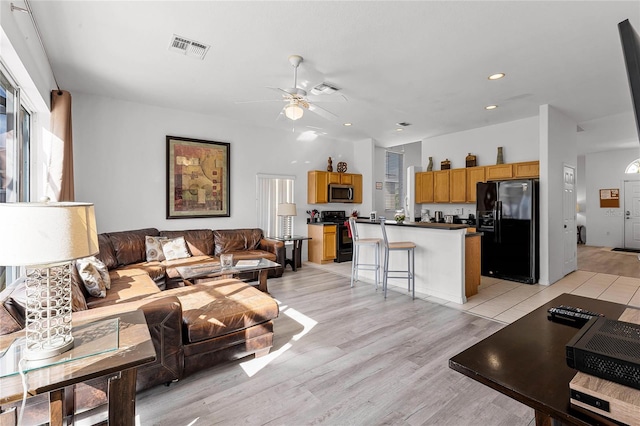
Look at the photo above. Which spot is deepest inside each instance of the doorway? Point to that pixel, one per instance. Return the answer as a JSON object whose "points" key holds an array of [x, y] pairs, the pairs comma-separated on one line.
{"points": [[632, 214], [569, 219]]}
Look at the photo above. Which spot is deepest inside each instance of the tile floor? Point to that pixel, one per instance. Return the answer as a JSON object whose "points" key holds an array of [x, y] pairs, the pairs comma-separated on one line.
{"points": [[506, 301]]}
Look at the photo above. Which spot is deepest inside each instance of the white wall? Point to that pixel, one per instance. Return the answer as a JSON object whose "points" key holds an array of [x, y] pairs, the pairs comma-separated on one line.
{"points": [[558, 146], [120, 163], [519, 140], [604, 170], [364, 162]]}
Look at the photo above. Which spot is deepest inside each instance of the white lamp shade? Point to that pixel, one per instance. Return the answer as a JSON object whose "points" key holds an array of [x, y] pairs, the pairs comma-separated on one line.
{"points": [[46, 233], [287, 209]]}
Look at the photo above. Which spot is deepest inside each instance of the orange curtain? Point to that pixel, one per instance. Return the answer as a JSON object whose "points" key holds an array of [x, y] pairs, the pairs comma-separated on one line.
{"points": [[61, 172]]}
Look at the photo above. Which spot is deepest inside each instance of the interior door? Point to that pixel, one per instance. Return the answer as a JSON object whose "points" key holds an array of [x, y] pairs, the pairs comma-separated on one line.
{"points": [[569, 219], [632, 214]]}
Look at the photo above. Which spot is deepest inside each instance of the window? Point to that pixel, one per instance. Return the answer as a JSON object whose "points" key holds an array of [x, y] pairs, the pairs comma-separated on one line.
{"points": [[272, 190], [393, 181], [633, 167], [15, 136]]}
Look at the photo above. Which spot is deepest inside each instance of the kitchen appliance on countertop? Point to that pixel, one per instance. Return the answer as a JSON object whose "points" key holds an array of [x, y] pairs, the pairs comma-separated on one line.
{"points": [[507, 215], [344, 243], [438, 217]]}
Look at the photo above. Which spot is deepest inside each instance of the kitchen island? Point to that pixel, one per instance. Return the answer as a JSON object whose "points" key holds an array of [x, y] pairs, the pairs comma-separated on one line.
{"points": [[439, 256]]}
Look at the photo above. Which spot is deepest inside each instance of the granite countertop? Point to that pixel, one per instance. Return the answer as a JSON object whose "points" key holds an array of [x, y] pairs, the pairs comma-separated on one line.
{"points": [[445, 226]]}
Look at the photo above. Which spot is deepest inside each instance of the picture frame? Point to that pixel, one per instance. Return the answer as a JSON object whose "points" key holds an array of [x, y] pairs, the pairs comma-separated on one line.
{"points": [[198, 178]]}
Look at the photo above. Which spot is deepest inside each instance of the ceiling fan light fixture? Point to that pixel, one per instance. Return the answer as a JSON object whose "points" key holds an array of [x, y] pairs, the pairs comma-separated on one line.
{"points": [[293, 111]]}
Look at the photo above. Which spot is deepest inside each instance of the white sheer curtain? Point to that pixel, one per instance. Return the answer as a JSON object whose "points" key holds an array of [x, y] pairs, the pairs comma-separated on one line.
{"points": [[272, 190]]}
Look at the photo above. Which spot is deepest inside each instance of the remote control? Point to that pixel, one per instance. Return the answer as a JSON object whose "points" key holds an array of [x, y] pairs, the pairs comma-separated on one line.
{"points": [[571, 315]]}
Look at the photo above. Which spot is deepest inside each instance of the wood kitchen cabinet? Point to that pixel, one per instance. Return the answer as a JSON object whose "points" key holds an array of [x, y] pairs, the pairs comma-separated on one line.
{"points": [[458, 185], [322, 245], [317, 187], [528, 169], [356, 181], [424, 187], [472, 253], [474, 175], [441, 186], [499, 171]]}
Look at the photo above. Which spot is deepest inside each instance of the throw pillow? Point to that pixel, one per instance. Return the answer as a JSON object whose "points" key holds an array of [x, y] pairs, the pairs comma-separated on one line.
{"points": [[91, 278], [153, 246], [101, 268], [175, 248]]}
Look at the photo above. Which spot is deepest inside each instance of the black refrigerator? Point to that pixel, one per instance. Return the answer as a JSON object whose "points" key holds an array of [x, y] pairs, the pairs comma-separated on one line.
{"points": [[507, 215]]}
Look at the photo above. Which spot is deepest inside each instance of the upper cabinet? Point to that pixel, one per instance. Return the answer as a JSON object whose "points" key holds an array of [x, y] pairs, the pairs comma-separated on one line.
{"points": [[424, 187], [499, 171], [529, 169], [318, 185], [459, 185], [474, 175], [441, 186]]}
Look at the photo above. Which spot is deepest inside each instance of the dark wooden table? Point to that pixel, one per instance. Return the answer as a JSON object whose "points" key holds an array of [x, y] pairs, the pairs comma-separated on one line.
{"points": [[135, 348], [296, 251], [526, 361]]}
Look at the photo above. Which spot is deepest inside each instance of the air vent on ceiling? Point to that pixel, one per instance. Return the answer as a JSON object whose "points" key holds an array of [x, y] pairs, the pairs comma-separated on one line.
{"points": [[188, 47], [403, 124], [324, 89]]}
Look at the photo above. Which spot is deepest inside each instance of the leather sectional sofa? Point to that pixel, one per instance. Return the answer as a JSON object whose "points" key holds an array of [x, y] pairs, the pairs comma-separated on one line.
{"points": [[192, 327]]}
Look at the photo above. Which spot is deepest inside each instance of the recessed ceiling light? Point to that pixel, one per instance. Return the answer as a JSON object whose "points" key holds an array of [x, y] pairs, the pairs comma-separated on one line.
{"points": [[399, 130], [347, 124], [497, 76], [489, 107]]}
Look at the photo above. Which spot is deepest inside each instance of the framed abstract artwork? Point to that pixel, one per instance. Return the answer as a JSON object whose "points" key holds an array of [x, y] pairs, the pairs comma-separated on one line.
{"points": [[197, 178]]}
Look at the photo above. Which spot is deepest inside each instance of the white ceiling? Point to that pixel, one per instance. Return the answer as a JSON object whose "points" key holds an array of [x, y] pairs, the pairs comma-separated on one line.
{"points": [[423, 62]]}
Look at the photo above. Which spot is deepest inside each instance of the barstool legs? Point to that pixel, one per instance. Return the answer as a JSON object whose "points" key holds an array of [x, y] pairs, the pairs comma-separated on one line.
{"points": [[411, 276]]}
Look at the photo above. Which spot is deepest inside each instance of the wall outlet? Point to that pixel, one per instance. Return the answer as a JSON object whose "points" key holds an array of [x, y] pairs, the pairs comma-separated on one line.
{"points": [[457, 211]]}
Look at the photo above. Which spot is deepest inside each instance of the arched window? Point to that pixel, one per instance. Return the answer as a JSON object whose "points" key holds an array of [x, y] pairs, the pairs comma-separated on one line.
{"points": [[633, 167]]}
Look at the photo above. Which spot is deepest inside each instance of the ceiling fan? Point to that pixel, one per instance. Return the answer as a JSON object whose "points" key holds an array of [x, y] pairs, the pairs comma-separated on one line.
{"points": [[297, 100]]}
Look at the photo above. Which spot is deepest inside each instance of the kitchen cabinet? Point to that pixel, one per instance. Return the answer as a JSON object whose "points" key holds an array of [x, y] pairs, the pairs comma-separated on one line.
{"points": [[424, 187], [474, 175], [441, 186], [318, 185], [458, 185], [322, 245], [529, 169], [356, 181], [472, 252], [499, 171]]}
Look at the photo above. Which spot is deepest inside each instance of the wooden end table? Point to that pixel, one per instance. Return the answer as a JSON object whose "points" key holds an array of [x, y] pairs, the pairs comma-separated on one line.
{"points": [[296, 250], [133, 347]]}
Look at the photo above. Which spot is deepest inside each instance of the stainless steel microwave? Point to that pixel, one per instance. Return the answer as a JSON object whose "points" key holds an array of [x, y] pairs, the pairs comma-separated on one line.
{"points": [[340, 193]]}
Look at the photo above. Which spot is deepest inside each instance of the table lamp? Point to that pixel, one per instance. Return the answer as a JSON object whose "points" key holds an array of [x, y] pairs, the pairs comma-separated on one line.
{"points": [[45, 238], [286, 210]]}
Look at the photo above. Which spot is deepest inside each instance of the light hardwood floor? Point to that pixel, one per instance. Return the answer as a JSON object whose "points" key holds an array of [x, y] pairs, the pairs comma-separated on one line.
{"points": [[346, 356], [343, 356]]}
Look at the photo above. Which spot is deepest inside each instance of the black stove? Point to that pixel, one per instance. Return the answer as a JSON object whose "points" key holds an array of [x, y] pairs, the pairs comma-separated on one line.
{"points": [[344, 244]]}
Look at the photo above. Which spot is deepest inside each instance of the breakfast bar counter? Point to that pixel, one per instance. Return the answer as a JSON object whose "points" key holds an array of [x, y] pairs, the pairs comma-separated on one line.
{"points": [[439, 256]]}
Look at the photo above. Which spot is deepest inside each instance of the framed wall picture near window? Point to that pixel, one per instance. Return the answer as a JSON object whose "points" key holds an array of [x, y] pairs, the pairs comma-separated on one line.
{"points": [[197, 178]]}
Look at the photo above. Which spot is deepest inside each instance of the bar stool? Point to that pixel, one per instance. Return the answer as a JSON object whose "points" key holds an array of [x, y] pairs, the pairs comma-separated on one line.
{"points": [[357, 243], [409, 274]]}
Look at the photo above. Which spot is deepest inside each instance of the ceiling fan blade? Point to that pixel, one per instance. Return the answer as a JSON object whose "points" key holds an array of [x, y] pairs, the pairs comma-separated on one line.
{"points": [[328, 98], [322, 112], [281, 91], [258, 101]]}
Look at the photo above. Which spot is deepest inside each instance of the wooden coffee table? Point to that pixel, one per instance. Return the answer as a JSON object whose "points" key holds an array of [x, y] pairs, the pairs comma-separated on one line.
{"points": [[526, 360], [194, 274]]}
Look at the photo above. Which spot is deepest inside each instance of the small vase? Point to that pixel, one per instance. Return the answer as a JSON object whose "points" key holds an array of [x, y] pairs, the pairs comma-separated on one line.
{"points": [[430, 165], [500, 159]]}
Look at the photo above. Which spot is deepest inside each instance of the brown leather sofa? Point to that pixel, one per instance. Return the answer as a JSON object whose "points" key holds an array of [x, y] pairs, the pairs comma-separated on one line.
{"points": [[192, 327]]}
